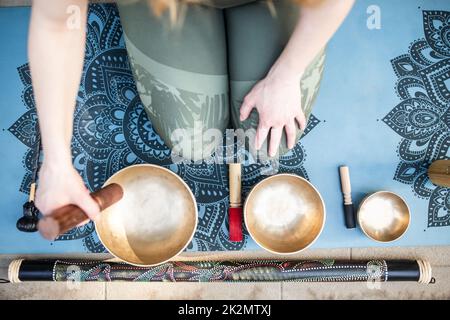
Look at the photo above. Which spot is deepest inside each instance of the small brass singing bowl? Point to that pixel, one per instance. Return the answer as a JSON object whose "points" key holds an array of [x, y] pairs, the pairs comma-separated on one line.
{"points": [[154, 221], [384, 216], [284, 213]]}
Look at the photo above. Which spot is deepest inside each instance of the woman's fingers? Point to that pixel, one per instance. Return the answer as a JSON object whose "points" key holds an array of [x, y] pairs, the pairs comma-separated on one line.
{"points": [[261, 135], [291, 134], [87, 204], [301, 120], [275, 137], [42, 204], [246, 107]]}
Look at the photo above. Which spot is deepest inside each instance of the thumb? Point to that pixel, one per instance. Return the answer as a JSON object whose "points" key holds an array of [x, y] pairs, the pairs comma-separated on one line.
{"points": [[246, 108], [301, 120], [86, 203]]}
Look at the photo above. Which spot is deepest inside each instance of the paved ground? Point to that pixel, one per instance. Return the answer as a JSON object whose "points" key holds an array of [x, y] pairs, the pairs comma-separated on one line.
{"points": [[439, 257]]}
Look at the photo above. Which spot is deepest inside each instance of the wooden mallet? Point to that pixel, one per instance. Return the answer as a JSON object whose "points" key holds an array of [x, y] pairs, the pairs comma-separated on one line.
{"points": [[349, 213], [235, 211], [66, 218]]}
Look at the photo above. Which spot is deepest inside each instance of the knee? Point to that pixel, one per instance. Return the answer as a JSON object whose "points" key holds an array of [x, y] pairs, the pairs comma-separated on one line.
{"points": [[195, 143]]}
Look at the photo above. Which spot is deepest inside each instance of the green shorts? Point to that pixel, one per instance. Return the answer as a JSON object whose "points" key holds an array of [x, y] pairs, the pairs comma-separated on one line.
{"points": [[192, 77]]}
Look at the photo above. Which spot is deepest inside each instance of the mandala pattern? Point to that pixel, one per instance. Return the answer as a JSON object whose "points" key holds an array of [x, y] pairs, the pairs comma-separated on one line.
{"points": [[422, 118], [112, 131]]}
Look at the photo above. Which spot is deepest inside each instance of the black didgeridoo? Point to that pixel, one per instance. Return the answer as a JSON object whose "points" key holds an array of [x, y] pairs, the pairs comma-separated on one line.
{"points": [[224, 271]]}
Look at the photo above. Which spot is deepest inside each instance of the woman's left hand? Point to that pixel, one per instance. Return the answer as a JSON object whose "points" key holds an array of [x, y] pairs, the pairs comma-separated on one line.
{"points": [[277, 98]]}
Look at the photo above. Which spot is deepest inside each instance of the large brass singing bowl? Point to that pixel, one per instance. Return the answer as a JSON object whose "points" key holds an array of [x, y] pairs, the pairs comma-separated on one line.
{"points": [[154, 221], [384, 216], [284, 213]]}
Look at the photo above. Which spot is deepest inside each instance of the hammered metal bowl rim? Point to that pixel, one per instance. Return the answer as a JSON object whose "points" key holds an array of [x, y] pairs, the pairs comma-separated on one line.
{"points": [[375, 194], [195, 211], [321, 200]]}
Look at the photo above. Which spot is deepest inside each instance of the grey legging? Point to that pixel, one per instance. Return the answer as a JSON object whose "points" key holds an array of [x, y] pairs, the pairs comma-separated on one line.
{"points": [[194, 77]]}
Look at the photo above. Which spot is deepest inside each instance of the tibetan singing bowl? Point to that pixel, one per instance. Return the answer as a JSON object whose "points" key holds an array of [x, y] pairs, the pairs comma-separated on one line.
{"points": [[284, 213], [383, 216], [154, 221]]}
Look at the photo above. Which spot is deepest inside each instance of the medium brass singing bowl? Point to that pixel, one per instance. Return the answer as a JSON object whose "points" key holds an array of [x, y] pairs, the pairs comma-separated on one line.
{"points": [[384, 216], [154, 221], [284, 213]]}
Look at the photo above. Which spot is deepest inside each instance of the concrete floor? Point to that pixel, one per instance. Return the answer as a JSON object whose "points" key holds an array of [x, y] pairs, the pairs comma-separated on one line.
{"points": [[439, 257]]}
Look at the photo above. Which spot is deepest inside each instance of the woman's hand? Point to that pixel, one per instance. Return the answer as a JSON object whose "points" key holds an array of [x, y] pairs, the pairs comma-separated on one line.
{"points": [[55, 42], [277, 98], [60, 185]]}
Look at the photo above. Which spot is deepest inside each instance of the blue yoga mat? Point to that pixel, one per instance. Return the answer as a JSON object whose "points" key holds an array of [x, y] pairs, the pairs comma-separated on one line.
{"points": [[383, 110]]}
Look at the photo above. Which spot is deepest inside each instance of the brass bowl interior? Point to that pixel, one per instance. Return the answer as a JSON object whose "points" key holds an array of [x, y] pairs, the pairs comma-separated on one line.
{"points": [[284, 213], [154, 221], [383, 216]]}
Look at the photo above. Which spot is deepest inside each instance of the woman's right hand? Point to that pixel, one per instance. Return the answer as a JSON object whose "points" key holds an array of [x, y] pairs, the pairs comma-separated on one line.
{"points": [[60, 185]]}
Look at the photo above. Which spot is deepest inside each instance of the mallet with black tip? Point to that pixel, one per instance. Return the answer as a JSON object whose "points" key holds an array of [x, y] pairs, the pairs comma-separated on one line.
{"points": [[349, 212]]}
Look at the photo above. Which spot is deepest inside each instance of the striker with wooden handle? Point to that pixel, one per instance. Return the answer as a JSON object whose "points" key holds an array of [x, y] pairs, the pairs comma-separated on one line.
{"points": [[349, 214], [439, 173], [235, 211], [65, 218]]}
